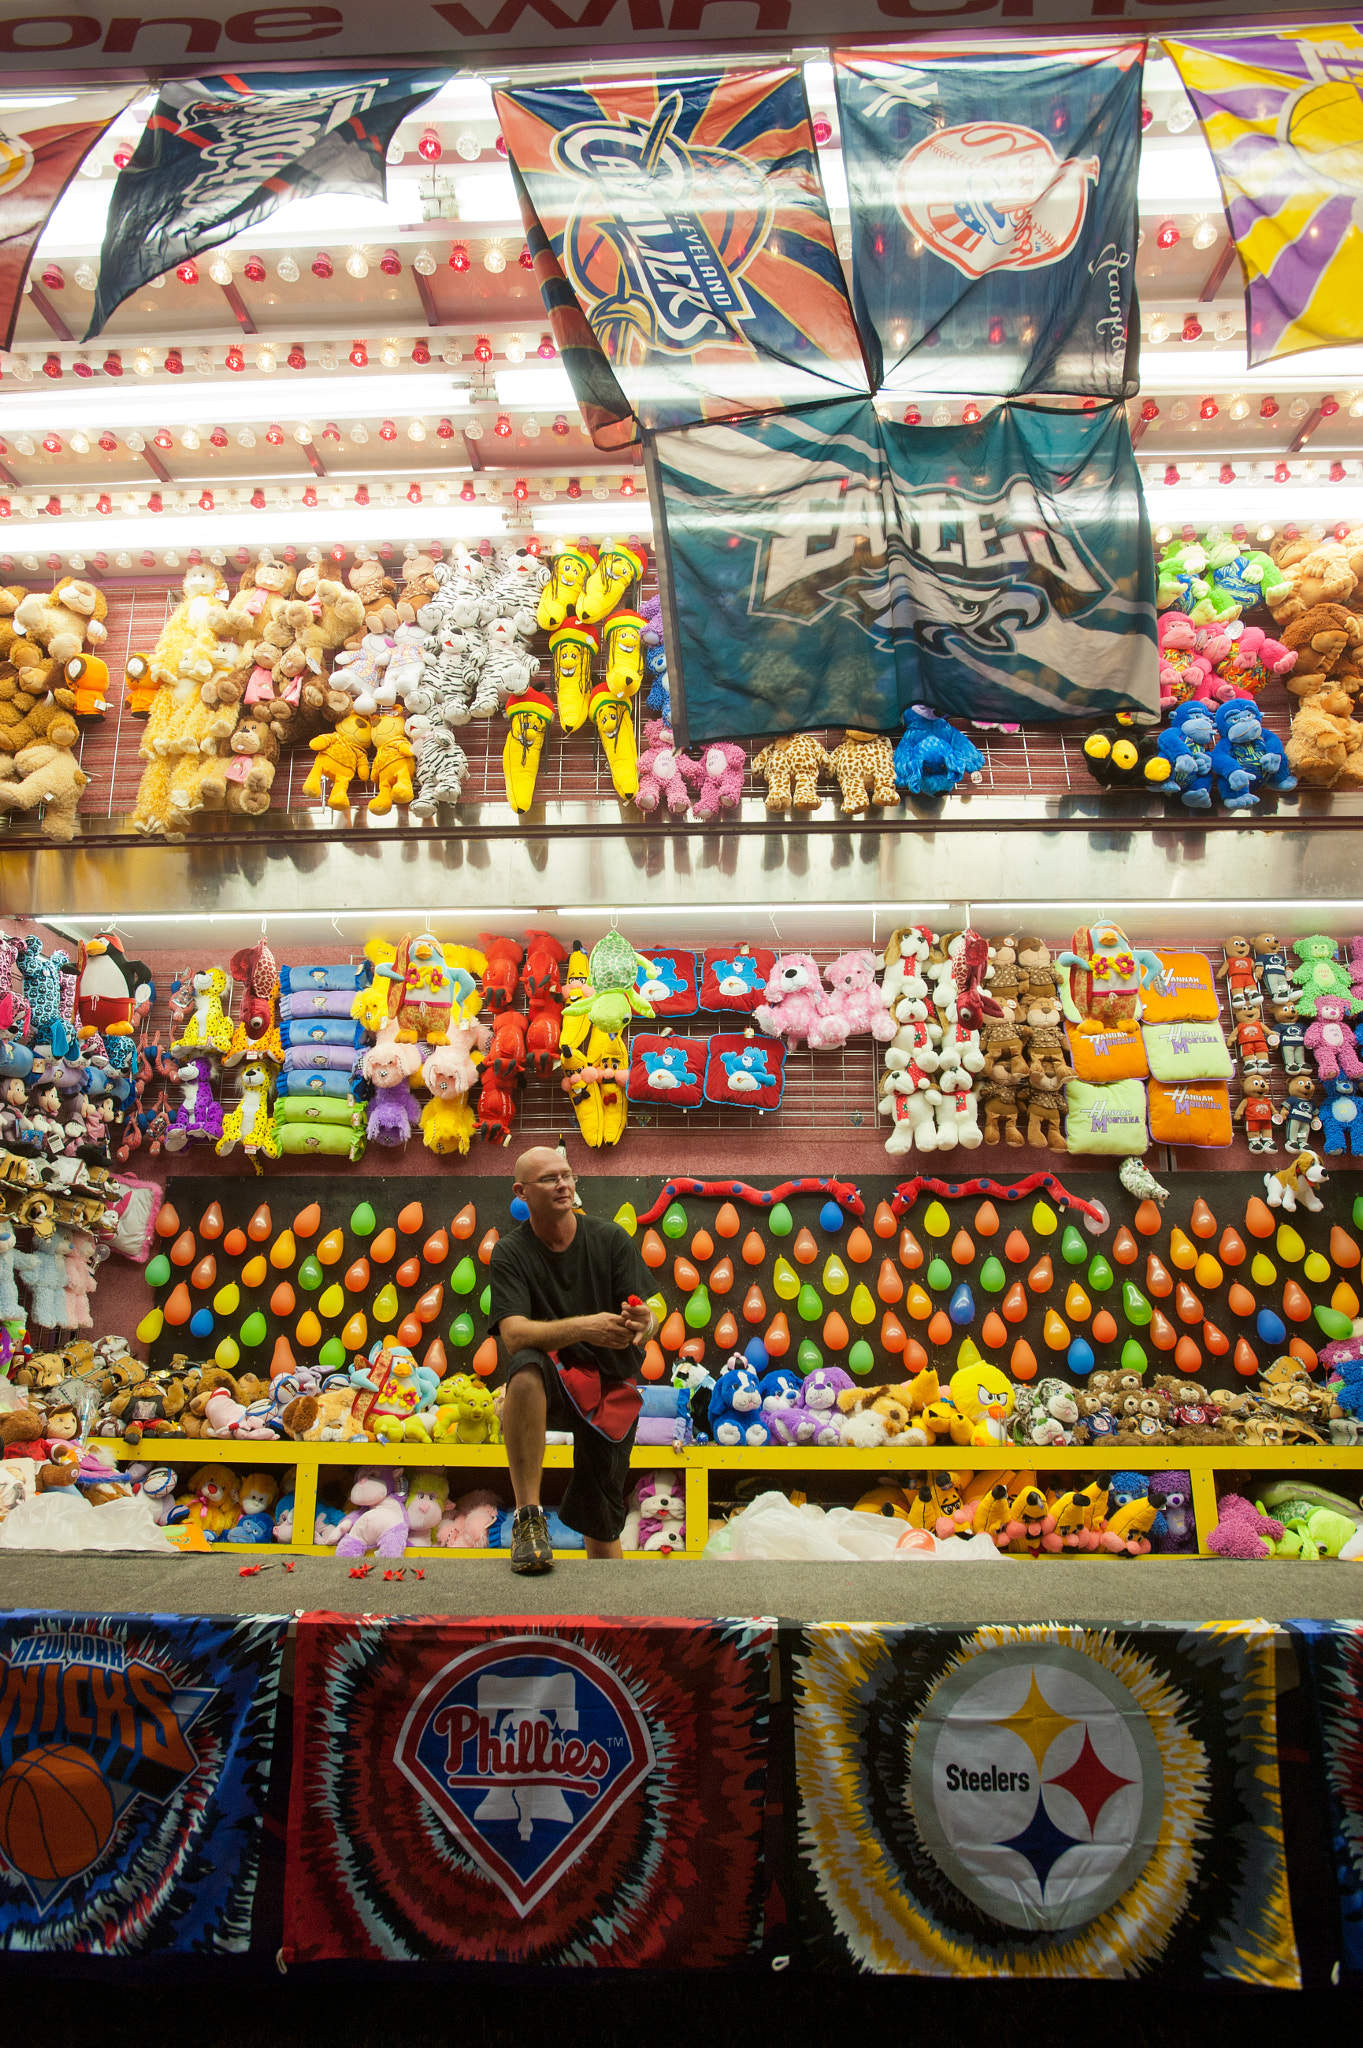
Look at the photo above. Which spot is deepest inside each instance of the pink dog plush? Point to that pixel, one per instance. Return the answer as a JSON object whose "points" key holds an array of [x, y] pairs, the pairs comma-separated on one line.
{"points": [[722, 769], [796, 1007], [663, 772], [857, 998]]}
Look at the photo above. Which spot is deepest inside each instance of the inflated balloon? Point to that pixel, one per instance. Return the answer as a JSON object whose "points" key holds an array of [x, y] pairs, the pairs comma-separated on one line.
{"points": [[1207, 1272], [357, 1277], [656, 1306], [1246, 1359], [1023, 1360], [754, 1306], [411, 1219], [836, 1278], [722, 1275], [674, 1222], [1100, 1274], [461, 1331], [363, 1221], [1216, 1341], [485, 1358], [1125, 1249], [780, 1222], [805, 1248], [808, 1358], [486, 1246], [777, 1335], [889, 1286], [205, 1273], [808, 1306], [464, 1278], [283, 1301], [830, 1218], [918, 1302], [408, 1273], [227, 1300], [1262, 1270], [1163, 1335], [994, 1331], [332, 1354], [282, 1360], [383, 1250], [332, 1303], [1296, 1303], [253, 1332], [962, 1248], [1187, 1355], [385, 1304], [993, 1279], [308, 1221], [185, 1249], [654, 1365], [910, 1250], [465, 1223], [308, 1330], [1272, 1329], [702, 1245], [355, 1335], [986, 1219], [685, 1275], [260, 1227], [624, 1216], [1015, 1304], [1344, 1249], [1158, 1278], [1187, 1307], [227, 1354], [726, 1332], [1316, 1269], [283, 1251], [884, 1222], [936, 1222], [673, 1332], [1299, 1348], [1240, 1301], [167, 1220], [1104, 1327], [158, 1270], [1045, 1222], [915, 1358], [1077, 1304], [1232, 1248], [653, 1251], [1055, 1332], [234, 1244], [1079, 1357], [862, 1309], [1291, 1245], [434, 1359], [1016, 1248], [859, 1246], [1333, 1325], [860, 1358], [310, 1275], [892, 1334], [961, 1307], [938, 1274], [939, 1329], [1182, 1250], [1133, 1357], [1073, 1250], [1148, 1219], [698, 1311], [210, 1223], [150, 1327], [1259, 1220], [785, 1279], [1042, 1275], [1135, 1307], [1203, 1222], [836, 1334], [1345, 1300], [485, 1300], [754, 1251], [427, 1306], [331, 1247], [253, 1273], [409, 1331], [726, 1223]]}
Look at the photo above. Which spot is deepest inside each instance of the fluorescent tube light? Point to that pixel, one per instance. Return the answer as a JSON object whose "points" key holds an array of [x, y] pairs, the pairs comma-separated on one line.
{"points": [[44, 406], [271, 528]]}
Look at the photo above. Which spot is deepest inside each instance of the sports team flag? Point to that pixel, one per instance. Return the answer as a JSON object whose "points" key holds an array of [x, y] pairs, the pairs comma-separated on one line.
{"points": [[1331, 1653], [1051, 1801], [575, 1792], [134, 1768], [829, 567], [994, 215], [1283, 115], [41, 149], [688, 217], [220, 154], [606, 412]]}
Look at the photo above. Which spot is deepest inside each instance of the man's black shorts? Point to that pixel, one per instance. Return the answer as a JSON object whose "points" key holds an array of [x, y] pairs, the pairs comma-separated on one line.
{"points": [[594, 1504]]}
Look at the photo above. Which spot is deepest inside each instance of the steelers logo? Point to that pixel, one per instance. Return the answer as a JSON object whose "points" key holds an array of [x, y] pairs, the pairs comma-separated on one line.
{"points": [[16, 161], [1036, 1785]]}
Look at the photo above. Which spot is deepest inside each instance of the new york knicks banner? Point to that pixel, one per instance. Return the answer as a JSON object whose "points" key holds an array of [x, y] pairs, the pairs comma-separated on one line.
{"points": [[578, 1792], [1034, 1802], [1283, 114], [688, 216], [1331, 1654], [41, 149], [220, 154], [134, 1767], [994, 215], [830, 567]]}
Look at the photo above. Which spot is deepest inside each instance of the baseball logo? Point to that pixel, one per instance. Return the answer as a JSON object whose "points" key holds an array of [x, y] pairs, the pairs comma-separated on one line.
{"points": [[990, 195]]}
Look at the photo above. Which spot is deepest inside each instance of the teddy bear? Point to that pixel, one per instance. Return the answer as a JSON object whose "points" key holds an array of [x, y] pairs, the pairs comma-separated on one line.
{"points": [[1320, 637], [1322, 576], [47, 774], [904, 1100], [393, 759], [65, 622], [342, 757], [1003, 1102], [249, 773], [26, 714], [12, 596], [257, 611], [376, 592], [1325, 745], [322, 614], [723, 766], [857, 998], [419, 584], [665, 774], [796, 1007]]}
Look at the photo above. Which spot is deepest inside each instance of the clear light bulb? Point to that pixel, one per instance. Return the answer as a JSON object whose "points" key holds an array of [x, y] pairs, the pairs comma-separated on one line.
{"points": [[473, 431], [86, 276], [424, 263], [940, 418], [130, 505], [359, 433], [246, 437], [515, 349], [220, 270], [143, 366], [390, 355], [303, 436], [1356, 407], [469, 147], [1238, 407], [134, 441], [80, 444], [1159, 329], [1299, 408], [189, 439], [265, 359], [1204, 234], [335, 497], [1180, 117], [494, 259], [1225, 328], [327, 358], [530, 426], [203, 362], [396, 152], [451, 354], [357, 264], [157, 284], [416, 430], [286, 270], [1179, 409]]}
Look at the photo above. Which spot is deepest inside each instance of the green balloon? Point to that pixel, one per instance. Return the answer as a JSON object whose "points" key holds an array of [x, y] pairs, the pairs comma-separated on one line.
{"points": [[809, 1357], [1358, 1212], [485, 1298], [1133, 1358], [1101, 1275], [253, 1330], [696, 1314], [332, 1353], [464, 1278], [993, 1279], [808, 1308], [364, 1222], [1135, 1307], [780, 1222], [158, 1270], [674, 1223], [1073, 1250], [860, 1358], [310, 1274], [461, 1331], [939, 1274], [1333, 1322]]}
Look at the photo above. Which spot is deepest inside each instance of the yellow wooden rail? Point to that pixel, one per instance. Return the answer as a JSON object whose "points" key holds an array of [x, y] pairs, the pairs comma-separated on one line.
{"points": [[1202, 1461]]}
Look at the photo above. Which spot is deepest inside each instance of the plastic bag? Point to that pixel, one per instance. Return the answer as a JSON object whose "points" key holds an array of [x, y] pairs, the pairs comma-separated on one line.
{"points": [[772, 1528], [65, 1520]]}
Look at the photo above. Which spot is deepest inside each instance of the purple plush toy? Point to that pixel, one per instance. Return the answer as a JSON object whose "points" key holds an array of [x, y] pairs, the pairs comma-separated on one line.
{"points": [[1240, 1528], [819, 1399], [200, 1113], [394, 1112], [377, 1515]]}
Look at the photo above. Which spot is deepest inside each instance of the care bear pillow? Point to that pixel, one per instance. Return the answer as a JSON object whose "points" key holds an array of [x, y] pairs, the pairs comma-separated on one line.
{"points": [[745, 1070], [666, 1069]]}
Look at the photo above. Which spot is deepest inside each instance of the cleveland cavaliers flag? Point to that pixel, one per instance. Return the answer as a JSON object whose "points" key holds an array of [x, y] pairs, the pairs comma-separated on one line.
{"points": [[40, 152], [994, 215], [689, 219]]}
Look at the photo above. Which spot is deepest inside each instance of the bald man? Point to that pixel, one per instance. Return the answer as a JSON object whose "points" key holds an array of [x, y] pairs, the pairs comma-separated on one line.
{"points": [[562, 1284]]}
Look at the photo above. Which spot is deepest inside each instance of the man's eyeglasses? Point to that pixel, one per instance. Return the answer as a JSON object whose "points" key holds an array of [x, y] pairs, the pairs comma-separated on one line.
{"points": [[554, 1180]]}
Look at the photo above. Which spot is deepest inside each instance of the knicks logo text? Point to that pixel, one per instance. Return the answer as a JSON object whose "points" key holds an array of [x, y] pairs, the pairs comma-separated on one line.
{"points": [[990, 195], [524, 1749]]}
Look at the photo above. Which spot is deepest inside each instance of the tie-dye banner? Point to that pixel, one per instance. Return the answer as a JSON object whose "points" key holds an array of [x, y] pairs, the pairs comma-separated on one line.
{"points": [[830, 567], [134, 1770], [1331, 1654], [688, 217], [994, 216], [1052, 1801], [576, 1792], [1283, 113]]}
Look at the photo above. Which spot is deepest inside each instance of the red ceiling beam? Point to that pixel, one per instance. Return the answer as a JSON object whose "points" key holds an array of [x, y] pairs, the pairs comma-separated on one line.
{"points": [[155, 465], [428, 307], [239, 312], [1216, 276], [45, 307]]}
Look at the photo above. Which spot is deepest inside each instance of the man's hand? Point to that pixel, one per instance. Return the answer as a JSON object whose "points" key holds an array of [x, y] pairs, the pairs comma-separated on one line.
{"points": [[639, 1318], [613, 1333]]}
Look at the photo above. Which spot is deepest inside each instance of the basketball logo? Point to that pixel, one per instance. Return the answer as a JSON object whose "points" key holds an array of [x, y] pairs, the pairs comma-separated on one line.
{"points": [[56, 1813], [1323, 127], [16, 161], [990, 195]]}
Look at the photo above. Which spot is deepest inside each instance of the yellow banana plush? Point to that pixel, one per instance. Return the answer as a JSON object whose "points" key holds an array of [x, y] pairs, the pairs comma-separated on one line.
{"points": [[572, 648], [615, 569], [622, 644], [615, 728], [571, 567], [530, 715]]}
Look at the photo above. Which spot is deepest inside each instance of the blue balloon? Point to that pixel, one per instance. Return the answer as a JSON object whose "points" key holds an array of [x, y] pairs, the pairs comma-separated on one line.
{"points": [[755, 1351], [961, 1307], [520, 1209], [201, 1323], [1079, 1357], [1270, 1327], [830, 1217]]}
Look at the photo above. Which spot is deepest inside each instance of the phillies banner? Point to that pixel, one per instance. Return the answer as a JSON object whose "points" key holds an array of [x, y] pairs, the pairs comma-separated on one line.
{"points": [[1331, 1653], [688, 217], [1283, 114], [1046, 1801], [40, 152], [830, 567], [220, 154], [134, 1768], [576, 1792], [994, 216]]}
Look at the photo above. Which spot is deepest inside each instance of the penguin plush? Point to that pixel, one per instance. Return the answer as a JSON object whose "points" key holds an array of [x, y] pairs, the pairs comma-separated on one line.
{"points": [[113, 993]]}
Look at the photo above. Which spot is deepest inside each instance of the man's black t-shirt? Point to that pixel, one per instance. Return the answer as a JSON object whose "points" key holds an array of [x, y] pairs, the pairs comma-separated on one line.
{"points": [[598, 1270]]}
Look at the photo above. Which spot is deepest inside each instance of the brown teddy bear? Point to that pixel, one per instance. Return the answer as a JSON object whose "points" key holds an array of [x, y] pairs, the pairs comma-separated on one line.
{"points": [[65, 622], [47, 774], [419, 584], [26, 714], [322, 614], [376, 592], [257, 611], [1320, 638], [250, 773], [1325, 746], [1324, 575]]}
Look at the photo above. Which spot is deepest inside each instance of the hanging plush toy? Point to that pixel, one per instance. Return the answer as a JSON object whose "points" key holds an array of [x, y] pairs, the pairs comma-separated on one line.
{"points": [[614, 721], [608, 581], [424, 992], [1105, 976], [622, 653], [530, 715], [569, 570], [113, 993], [572, 650]]}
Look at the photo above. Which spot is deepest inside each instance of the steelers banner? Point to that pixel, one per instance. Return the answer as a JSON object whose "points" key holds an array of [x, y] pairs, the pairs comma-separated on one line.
{"points": [[1331, 1654], [1055, 1801], [134, 1769], [688, 217], [994, 215], [575, 1792], [42, 146], [1283, 113]]}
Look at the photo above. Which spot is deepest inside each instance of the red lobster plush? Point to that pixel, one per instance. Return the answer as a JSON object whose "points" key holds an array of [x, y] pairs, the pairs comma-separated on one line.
{"points": [[501, 976]]}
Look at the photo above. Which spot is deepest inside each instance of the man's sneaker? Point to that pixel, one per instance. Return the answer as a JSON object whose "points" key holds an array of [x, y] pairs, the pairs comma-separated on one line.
{"points": [[531, 1550]]}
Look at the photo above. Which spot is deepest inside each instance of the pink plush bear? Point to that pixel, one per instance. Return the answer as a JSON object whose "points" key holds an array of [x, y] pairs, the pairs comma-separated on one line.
{"points": [[857, 998], [1330, 1037], [1239, 1528], [723, 766], [796, 1007], [663, 772], [467, 1521], [1252, 660]]}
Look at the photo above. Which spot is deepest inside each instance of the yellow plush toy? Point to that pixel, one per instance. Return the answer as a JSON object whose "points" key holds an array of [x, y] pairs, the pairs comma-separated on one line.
{"points": [[342, 757], [322, 615], [393, 758], [47, 774], [66, 621]]}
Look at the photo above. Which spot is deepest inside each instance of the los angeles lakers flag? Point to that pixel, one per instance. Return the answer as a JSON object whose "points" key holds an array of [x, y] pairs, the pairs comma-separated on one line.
{"points": [[1283, 114], [689, 219]]}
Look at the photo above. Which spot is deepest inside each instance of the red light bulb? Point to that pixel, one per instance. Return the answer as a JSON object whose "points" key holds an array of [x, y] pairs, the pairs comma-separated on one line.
{"points": [[234, 359], [459, 257], [274, 435], [297, 357], [444, 431], [414, 494], [188, 271], [1268, 409], [421, 352], [205, 501], [546, 348], [1192, 328], [52, 444], [390, 263], [503, 425], [123, 156], [970, 414], [154, 502], [823, 129], [388, 432], [1168, 236], [54, 277], [218, 438], [322, 265], [53, 508], [105, 504], [997, 333], [574, 487], [520, 490], [1282, 474], [1336, 472], [359, 355], [175, 362], [500, 146], [560, 426], [912, 416], [81, 368], [162, 438], [310, 496], [53, 366], [362, 495], [525, 259], [113, 364], [255, 270], [1227, 473], [1208, 409], [1147, 116], [482, 349], [258, 499], [1149, 411], [1171, 476], [627, 487], [107, 442], [429, 146], [467, 494], [1328, 408]]}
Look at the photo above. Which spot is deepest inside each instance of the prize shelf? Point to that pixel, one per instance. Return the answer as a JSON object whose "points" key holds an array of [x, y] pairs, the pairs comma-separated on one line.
{"points": [[697, 1462]]}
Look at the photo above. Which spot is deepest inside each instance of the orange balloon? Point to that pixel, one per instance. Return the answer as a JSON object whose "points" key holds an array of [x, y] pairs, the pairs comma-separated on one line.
{"points": [[1125, 1250], [726, 1332], [859, 1246], [1296, 1303], [485, 1357], [167, 1220], [283, 1251], [210, 1223], [939, 1329], [1202, 1222], [777, 1339], [465, 1223], [1023, 1360], [435, 1358], [1246, 1359], [1186, 1304], [436, 1249], [409, 1272], [889, 1286], [1259, 1218], [1343, 1249], [282, 1300], [1016, 1248], [754, 1251], [1148, 1219], [962, 1248], [835, 1334], [383, 1247], [1163, 1335], [409, 1332], [754, 1307], [1299, 1348], [179, 1308], [234, 1244], [356, 1277], [910, 1250], [355, 1335], [1042, 1276], [673, 1332], [685, 1275], [1240, 1301], [486, 1245], [1232, 1248], [427, 1306], [915, 1357], [254, 1271], [260, 1226], [1104, 1327], [330, 1249], [282, 1359], [986, 1219], [892, 1336], [693, 1348], [205, 1273], [804, 1248], [308, 1221], [702, 1245], [654, 1365], [884, 1222], [1187, 1356], [653, 1251], [1216, 1341], [184, 1251], [308, 1330], [918, 1302], [1182, 1250], [1158, 1279], [411, 1219], [1014, 1304], [721, 1276], [995, 1332], [726, 1223]]}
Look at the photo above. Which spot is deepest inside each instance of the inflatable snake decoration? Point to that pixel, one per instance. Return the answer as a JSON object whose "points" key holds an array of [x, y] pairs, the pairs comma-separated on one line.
{"points": [[844, 1192], [908, 1191]]}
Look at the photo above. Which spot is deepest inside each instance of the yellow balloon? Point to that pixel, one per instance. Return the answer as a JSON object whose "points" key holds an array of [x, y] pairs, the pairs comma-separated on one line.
{"points": [[936, 1222], [283, 1251], [227, 1354], [863, 1308], [330, 1249], [332, 1302], [227, 1299], [785, 1280], [835, 1275], [385, 1307], [150, 1327]]}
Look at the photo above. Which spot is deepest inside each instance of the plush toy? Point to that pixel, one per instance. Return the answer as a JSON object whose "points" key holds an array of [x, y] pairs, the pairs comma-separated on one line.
{"points": [[863, 764], [1180, 585], [393, 758], [1123, 757], [1253, 659], [904, 1099], [1105, 975], [1241, 1528], [529, 716], [361, 671], [442, 767], [736, 1406], [571, 566], [932, 758], [1186, 747], [1321, 575], [856, 998], [394, 1111], [665, 775], [67, 621], [377, 1516], [199, 1116], [614, 722], [87, 678], [723, 765], [46, 775], [1320, 972], [448, 1074], [44, 1273], [608, 580], [1322, 638], [26, 717], [342, 757], [207, 1024], [323, 614], [791, 766], [376, 591], [796, 1007], [1325, 746]]}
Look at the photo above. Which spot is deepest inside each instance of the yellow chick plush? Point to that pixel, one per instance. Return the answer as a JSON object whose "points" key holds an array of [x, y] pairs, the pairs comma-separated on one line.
{"points": [[983, 1398]]}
